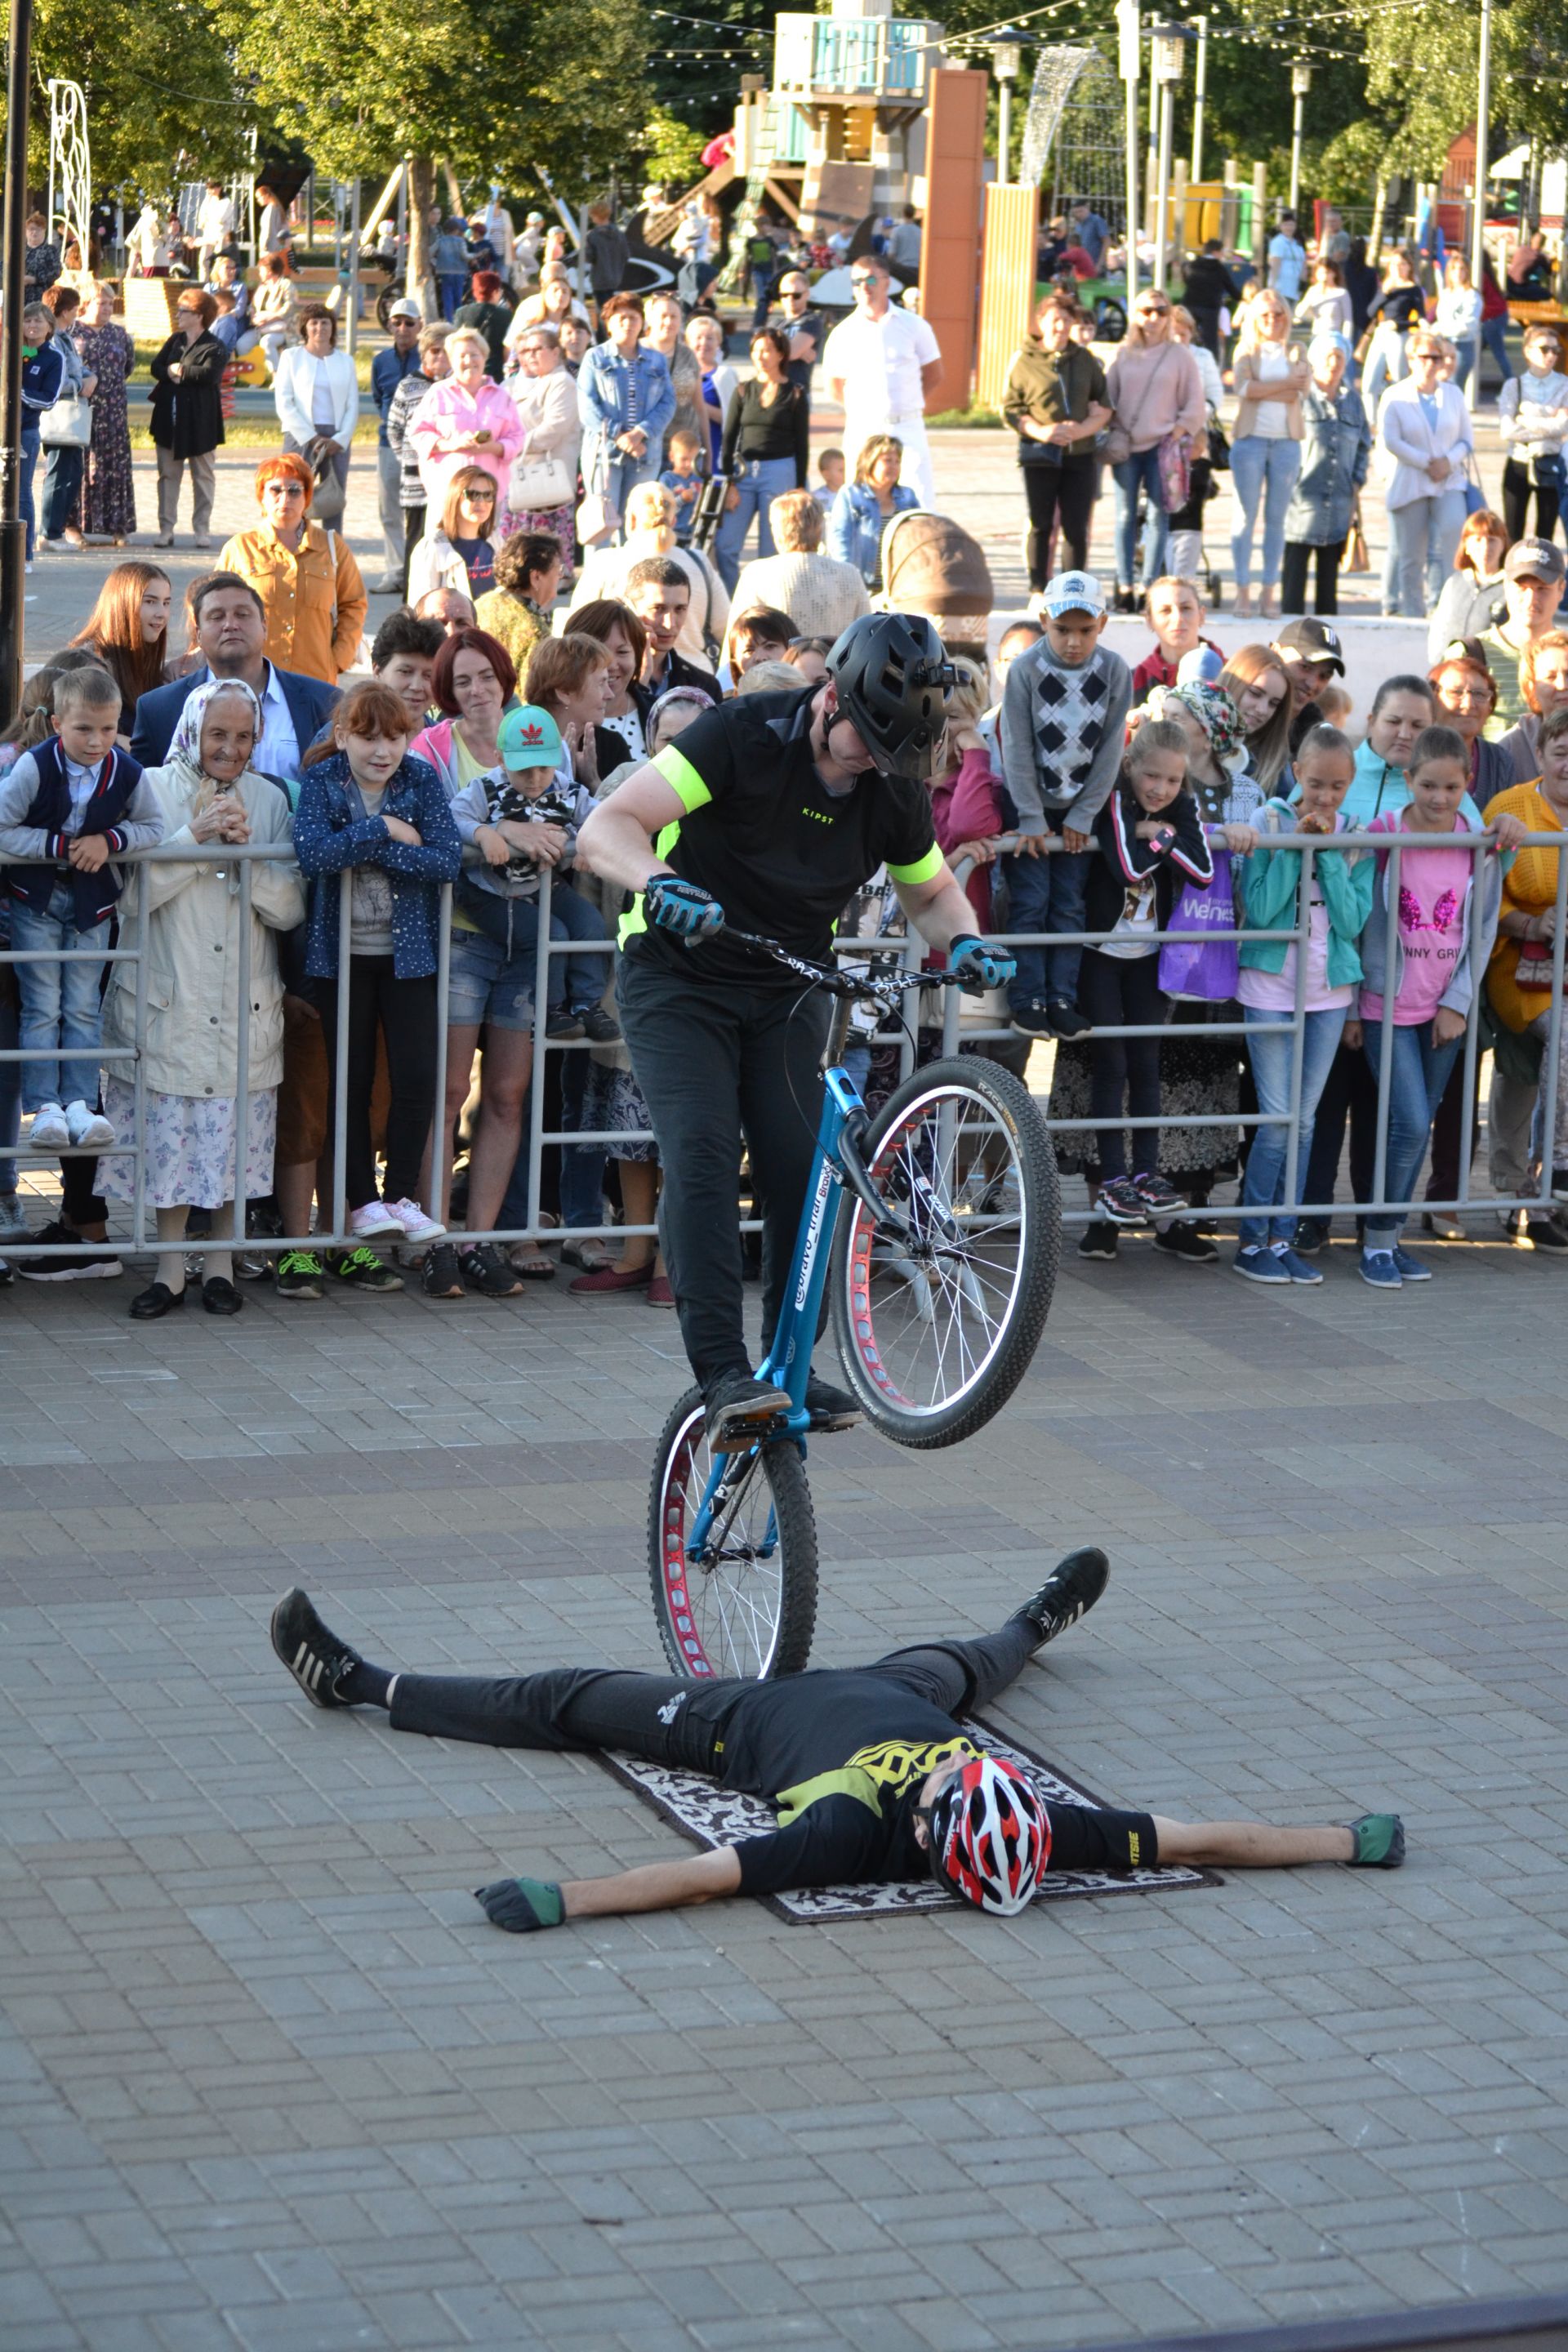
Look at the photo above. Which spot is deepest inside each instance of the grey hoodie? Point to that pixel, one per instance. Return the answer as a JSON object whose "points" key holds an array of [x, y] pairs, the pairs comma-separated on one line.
{"points": [[1062, 734]]}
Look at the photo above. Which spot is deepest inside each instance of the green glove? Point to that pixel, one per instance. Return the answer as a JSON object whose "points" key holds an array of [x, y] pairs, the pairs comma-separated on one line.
{"points": [[521, 1905], [1379, 1842]]}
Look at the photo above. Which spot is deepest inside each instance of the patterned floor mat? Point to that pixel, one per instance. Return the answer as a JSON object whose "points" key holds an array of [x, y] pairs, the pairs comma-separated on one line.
{"points": [[711, 1816]]}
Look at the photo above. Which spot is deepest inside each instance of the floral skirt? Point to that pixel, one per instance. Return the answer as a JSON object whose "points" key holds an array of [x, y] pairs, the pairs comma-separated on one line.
{"points": [[558, 522], [613, 1103], [1199, 1075], [189, 1147]]}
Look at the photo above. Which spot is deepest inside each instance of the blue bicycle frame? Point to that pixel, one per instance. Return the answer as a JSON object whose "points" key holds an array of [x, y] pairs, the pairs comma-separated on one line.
{"points": [[789, 1361]]}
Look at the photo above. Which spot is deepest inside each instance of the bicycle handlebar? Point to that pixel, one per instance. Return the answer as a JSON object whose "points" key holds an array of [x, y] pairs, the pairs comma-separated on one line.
{"points": [[885, 989]]}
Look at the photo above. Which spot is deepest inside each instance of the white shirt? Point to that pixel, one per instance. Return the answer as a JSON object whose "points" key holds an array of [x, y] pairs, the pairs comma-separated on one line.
{"points": [[880, 362], [215, 222], [79, 782], [277, 754]]}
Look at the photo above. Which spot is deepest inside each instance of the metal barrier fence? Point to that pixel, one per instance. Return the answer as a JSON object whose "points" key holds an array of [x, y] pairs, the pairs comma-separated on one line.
{"points": [[332, 1230]]}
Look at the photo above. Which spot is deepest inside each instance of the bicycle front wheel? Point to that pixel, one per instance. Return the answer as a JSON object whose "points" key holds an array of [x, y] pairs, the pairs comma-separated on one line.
{"points": [[734, 1572], [937, 1329]]}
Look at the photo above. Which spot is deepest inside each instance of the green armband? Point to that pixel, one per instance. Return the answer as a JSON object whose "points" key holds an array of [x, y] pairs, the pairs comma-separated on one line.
{"points": [[521, 1905]]}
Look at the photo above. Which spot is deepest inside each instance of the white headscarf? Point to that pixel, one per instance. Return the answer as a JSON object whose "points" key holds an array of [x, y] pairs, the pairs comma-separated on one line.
{"points": [[185, 749]]}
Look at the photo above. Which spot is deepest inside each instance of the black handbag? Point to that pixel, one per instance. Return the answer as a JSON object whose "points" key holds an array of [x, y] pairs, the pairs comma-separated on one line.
{"points": [[1220, 448]]}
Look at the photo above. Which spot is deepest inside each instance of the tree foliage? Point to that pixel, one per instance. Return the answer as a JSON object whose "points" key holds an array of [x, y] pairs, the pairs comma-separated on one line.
{"points": [[161, 91], [1422, 70]]}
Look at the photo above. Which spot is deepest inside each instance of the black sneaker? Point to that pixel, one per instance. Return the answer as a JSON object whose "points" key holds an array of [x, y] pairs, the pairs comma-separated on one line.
{"points": [[1033, 1020], [361, 1269], [300, 1275], [313, 1653], [1311, 1233], [1181, 1241], [831, 1409], [599, 1025], [1099, 1241], [486, 1269], [103, 1265], [1546, 1233], [1069, 1592], [564, 1024], [441, 1276], [1065, 1019], [1159, 1197], [1118, 1198], [739, 1410], [1379, 1842]]}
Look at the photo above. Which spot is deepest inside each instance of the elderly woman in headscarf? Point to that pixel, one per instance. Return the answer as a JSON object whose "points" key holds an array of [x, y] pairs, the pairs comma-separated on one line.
{"points": [[213, 800], [1199, 1075]]}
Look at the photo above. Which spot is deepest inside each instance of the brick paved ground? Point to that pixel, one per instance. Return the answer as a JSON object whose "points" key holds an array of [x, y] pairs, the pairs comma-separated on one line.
{"points": [[266, 2079], [271, 2081]]}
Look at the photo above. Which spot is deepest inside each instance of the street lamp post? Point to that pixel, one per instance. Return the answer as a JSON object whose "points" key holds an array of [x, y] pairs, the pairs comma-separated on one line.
{"points": [[1300, 83], [1479, 210], [1200, 92], [1128, 63], [1166, 60], [12, 279], [1006, 60]]}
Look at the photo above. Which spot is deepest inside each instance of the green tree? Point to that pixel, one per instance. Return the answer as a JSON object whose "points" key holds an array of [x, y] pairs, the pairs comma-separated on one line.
{"points": [[164, 104], [497, 93]]}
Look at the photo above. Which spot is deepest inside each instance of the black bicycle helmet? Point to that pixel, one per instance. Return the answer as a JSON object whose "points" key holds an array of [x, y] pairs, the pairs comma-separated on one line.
{"points": [[893, 678]]}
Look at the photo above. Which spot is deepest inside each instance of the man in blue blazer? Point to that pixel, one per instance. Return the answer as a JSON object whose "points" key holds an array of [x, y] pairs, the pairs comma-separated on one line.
{"points": [[230, 622]]}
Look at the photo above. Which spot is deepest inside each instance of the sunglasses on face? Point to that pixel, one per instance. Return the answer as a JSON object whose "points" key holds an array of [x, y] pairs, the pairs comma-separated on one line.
{"points": [[862, 281], [1153, 310], [478, 497]]}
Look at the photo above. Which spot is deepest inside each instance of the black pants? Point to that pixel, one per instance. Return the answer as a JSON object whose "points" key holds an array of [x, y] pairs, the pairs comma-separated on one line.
{"points": [[667, 1720], [1517, 493], [404, 1012], [1448, 1132], [1060, 494], [1294, 577], [1119, 991], [413, 532], [1205, 326], [1351, 1093], [716, 1062]]}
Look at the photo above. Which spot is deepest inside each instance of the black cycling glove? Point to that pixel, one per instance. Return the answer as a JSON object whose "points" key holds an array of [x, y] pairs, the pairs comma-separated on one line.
{"points": [[521, 1905], [979, 965], [683, 908]]}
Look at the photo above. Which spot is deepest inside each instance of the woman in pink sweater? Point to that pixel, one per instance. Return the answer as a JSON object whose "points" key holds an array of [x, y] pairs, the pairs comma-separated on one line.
{"points": [[1155, 391], [966, 803], [465, 420]]}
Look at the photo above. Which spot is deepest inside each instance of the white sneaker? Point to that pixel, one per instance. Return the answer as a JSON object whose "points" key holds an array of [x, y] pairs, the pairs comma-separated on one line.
{"points": [[13, 1226], [373, 1219], [89, 1129], [50, 1132], [417, 1226]]}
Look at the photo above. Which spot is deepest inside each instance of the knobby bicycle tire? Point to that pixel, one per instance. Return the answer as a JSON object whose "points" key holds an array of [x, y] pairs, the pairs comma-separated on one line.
{"points": [[749, 1617], [963, 1314]]}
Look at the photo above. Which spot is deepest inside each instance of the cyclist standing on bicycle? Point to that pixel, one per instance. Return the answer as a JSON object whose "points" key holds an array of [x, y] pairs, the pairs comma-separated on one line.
{"points": [[769, 813]]}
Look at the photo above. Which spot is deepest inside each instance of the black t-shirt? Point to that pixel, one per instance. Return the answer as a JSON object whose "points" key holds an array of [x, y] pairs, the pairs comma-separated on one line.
{"points": [[842, 1816], [781, 853]]}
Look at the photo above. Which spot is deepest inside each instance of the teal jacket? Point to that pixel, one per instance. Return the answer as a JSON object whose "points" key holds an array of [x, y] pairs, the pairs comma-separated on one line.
{"points": [[1269, 889]]}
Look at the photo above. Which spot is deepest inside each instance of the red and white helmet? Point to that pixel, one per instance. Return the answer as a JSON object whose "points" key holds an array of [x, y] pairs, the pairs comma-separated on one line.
{"points": [[990, 1835]]}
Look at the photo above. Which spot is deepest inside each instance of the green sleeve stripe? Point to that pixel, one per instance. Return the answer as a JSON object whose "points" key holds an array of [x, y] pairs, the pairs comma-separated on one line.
{"points": [[925, 869], [682, 778], [635, 920]]}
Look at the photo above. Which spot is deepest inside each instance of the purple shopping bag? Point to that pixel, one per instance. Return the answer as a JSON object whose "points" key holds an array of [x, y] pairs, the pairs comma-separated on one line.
{"points": [[1206, 968]]}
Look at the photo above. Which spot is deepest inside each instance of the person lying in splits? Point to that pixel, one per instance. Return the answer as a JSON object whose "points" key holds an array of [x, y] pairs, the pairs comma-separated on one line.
{"points": [[871, 1776]]}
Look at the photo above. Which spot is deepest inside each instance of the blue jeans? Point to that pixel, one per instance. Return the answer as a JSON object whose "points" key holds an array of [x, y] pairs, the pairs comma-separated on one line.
{"points": [[1261, 472], [759, 481], [512, 926], [1423, 536], [24, 488], [1142, 469], [622, 475], [1387, 362], [1046, 894], [1417, 1077], [1263, 1186], [450, 289], [62, 480], [1494, 333], [62, 1011]]}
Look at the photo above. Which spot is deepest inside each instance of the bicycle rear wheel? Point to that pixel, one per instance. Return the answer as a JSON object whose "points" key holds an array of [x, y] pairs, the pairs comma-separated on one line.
{"points": [[937, 1332], [743, 1600]]}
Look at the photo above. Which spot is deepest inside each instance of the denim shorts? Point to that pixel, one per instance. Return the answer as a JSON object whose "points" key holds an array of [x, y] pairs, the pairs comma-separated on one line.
{"points": [[487, 986]]}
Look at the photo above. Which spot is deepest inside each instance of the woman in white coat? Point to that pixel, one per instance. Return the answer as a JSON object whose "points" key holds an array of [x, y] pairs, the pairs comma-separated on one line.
{"points": [[317, 394], [1424, 437], [209, 798], [541, 495]]}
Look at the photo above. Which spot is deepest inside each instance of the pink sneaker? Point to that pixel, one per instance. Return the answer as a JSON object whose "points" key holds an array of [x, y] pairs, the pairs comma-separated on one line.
{"points": [[417, 1226], [375, 1219]]}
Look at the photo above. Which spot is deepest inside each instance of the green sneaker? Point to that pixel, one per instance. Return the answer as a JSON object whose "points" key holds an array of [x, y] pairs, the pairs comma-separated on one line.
{"points": [[300, 1275], [361, 1269], [1379, 1842]]}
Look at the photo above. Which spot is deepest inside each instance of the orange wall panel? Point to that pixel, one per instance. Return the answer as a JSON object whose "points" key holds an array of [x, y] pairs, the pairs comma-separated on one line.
{"points": [[950, 247]]}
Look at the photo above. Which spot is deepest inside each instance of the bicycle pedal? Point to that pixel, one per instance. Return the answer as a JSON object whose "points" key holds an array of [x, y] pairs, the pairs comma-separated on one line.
{"points": [[738, 1435]]}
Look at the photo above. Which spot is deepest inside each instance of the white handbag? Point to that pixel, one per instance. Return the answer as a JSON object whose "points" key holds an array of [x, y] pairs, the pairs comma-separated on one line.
{"points": [[539, 482], [67, 424]]}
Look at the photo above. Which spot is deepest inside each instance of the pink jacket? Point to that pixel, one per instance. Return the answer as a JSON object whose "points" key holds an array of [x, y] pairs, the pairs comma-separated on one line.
{"points": [[447, 413], [967, 806]]}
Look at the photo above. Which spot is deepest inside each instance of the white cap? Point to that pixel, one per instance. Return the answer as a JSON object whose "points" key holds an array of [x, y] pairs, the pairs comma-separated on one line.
{"points": [[1074, 592]]}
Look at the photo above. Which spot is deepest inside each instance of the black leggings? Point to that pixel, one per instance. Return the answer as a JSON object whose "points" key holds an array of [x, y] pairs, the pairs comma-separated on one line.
{"points": [[404, 1012], [668, 1720], [1058, 494], [1517, 493], [1294, 577], [1114, 992]]}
